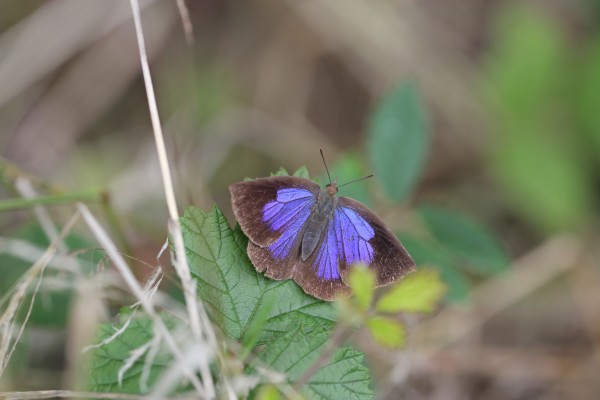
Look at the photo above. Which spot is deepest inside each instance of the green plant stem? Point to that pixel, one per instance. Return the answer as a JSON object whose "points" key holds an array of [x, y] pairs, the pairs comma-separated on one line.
{"points": [[67, 198]]}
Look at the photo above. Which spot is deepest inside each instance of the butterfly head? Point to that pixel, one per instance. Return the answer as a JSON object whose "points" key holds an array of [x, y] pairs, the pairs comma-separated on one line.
{"points": [[332, 187]]}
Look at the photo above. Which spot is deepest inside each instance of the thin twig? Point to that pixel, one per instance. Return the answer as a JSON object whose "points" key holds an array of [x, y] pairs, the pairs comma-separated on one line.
{"points": [[188, 27], [195, 309]]}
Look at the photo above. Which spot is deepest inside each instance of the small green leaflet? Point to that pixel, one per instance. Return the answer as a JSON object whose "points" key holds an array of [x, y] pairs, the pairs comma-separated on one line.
{"points": [[416, 292], [301, 172], [387, 332], [362, 282], [427, 254]]}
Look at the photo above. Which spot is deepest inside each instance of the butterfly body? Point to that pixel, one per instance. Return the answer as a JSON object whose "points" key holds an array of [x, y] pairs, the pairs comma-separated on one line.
{"points": [[299, 231], [320, 217]]}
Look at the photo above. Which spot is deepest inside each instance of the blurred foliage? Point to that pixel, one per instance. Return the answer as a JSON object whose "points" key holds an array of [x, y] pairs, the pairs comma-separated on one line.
{"points": [[387, 332], [418, 292], [457, 247], [429, 253], [542, 94], [349, 167], [362, 282], [268, 392], [201, 91], [398, 141], [471, 244], [51, 308]]}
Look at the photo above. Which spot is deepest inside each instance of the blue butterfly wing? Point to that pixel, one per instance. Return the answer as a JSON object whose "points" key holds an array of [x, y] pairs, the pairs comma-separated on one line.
{"points": [[267, 207], [346, 242], [288, 212], [273, 213]]}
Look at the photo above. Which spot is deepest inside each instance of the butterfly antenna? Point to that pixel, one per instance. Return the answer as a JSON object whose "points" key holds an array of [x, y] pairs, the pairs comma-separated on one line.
{"points": [[357, 180], [324, 163]]}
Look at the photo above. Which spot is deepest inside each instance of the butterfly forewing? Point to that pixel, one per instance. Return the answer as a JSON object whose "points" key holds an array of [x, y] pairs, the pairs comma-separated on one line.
{"points": [[267, 208]]}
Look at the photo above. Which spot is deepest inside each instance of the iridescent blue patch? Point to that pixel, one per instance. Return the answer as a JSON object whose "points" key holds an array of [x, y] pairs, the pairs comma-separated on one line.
{"points": [[347, 239], [289, 210]]}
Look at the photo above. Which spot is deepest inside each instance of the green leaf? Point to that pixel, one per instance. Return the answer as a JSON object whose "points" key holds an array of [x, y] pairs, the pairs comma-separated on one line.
{"points": [[417, 292], [387, 332], [427, 254], [295, 350], [466, 239], [107, 360], [297, 346], [398, 141], [231, 287], [259, 320], [280, 172], [345, 377], [362, 282], [302, 172], [50, 309]]}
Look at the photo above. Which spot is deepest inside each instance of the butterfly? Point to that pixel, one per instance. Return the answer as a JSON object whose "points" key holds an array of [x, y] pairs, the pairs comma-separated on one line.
{"points": [[300, 231]]}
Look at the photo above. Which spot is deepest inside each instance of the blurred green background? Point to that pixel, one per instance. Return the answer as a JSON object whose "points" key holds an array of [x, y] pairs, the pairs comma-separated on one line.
{"points": [[480, 120]]}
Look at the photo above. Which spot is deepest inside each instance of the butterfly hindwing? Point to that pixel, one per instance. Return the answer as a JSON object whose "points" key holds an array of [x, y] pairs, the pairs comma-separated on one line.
{"points": [[320, 274], [387, 257], [354, 235]]}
